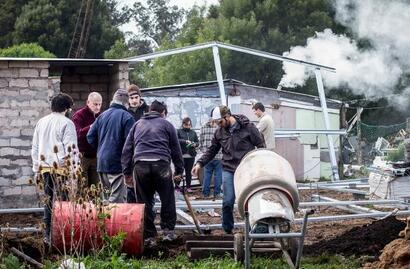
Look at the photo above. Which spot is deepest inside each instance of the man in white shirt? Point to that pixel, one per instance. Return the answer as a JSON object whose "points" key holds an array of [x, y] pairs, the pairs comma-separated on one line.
{"points": [[266, 125], [54, 142]]}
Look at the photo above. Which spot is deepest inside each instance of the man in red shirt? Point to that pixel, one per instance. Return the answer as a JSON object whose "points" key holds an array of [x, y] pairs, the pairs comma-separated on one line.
{"points": [[83, 119]]}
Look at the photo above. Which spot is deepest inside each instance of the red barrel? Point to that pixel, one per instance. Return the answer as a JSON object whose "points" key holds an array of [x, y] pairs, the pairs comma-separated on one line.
{"points": [[80, 227]]}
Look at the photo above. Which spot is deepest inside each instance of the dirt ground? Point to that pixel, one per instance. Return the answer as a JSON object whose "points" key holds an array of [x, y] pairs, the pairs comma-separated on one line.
{"points": [[359, 237]]}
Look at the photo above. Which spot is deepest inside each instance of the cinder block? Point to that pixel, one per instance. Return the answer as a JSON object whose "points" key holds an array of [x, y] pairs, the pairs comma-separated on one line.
{"points": [[17, 142], [4, 83], [29, 113], [39, 103], [19, 123], [38, 64], [17, 190], [20, 162], [4, 142], [19, 82], [5, 151], [44, 73], [9, 172], [14, 103], [4, 162], [29, 190], [4, 64], [24, 180], [38, 83], [18, 64], [9, 133], [27, 132], [4, 181], [28, 73], [25, 153], [5, 113]]}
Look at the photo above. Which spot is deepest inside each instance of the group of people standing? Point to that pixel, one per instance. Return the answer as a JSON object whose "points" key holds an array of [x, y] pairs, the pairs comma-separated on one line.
{"points": [[129, 149]]}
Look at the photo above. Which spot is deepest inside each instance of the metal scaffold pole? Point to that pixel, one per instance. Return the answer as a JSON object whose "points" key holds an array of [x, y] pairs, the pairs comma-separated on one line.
{"points": [[332, 153]]}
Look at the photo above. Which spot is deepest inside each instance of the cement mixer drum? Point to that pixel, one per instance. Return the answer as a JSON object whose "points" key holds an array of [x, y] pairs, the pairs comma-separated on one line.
{"points": [[262, 173]]}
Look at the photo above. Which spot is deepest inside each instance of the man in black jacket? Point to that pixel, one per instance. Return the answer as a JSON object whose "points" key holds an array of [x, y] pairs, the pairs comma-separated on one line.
{"points": [[137, 108], [147, 154], [236, 136]]}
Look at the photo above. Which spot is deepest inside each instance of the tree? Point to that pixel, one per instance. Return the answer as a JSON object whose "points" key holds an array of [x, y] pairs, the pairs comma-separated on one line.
{"points": [[26, 50], [157, 20], [9, 9], [269, 25], [51, 23]]}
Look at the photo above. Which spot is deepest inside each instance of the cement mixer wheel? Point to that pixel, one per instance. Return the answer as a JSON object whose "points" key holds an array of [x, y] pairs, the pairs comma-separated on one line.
{"points": [[238, 248]]}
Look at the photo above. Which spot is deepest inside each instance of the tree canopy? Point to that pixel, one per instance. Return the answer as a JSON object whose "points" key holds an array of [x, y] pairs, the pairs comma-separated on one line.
{"points": [[51, 23], [26, 50]]}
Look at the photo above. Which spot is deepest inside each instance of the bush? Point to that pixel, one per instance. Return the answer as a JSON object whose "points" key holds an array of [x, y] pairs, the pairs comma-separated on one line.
{"points": [[29, 50], [11, 262]]}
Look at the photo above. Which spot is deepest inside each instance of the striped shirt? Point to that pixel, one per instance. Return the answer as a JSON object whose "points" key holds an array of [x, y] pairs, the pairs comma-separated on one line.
{"points": [[205, 139]]}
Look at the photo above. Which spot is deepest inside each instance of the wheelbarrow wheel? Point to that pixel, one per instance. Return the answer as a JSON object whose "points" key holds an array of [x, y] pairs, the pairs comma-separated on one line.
{"points": [[238, 248], [293, 249]]}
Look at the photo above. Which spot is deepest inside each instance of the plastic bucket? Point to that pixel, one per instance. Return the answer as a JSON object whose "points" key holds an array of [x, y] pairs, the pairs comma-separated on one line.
{"points": [[81, 227]]}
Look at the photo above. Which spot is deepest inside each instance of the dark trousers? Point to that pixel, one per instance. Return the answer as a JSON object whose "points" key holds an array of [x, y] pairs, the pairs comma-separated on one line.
{"points": [[188, 164], [151, 177], [51, 194]]}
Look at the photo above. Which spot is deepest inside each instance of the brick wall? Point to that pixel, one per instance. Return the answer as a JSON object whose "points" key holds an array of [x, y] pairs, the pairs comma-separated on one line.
{"points": [[25, 88]]}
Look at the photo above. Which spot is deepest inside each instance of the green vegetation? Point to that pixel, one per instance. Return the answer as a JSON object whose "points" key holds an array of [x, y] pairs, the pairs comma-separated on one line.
{"points": [[26, 50], [397, 154], [182, 262]]}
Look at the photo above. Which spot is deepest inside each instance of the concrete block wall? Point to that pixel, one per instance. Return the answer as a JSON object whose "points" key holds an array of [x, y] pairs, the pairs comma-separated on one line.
{"points": [[25, 89], [79, 81]]}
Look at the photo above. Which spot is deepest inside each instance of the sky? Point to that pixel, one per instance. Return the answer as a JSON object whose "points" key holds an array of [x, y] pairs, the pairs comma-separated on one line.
{"points": [[181, 3]]}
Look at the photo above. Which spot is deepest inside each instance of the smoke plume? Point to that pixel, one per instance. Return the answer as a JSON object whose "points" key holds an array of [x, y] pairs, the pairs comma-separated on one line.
{"points": [[373, 71]]}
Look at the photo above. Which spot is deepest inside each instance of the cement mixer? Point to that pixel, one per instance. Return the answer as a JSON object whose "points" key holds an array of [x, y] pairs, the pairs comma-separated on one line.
{"points": [[267, 198]]}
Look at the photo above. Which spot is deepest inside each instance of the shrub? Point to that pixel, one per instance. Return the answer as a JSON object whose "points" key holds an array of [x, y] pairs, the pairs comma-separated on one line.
{"points": [[26, 50]]}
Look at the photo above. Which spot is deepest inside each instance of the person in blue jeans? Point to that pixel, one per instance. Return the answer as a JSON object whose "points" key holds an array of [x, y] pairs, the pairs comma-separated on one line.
{"points": [[214, 167], [236, 136]]}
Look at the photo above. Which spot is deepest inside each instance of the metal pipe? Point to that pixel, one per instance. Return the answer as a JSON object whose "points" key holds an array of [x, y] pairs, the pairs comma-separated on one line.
{"points": [[351, 208], [219, 77], [273, 56], [275, 235], [308, 131], [343, 190], [21, 210], [169, 52], [322, 97], [20, 230]]}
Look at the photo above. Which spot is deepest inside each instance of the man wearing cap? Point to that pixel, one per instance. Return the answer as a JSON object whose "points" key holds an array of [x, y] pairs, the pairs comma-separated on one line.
{"points": [[83, 119], [108, 134], [236, 136], [138, 107]]}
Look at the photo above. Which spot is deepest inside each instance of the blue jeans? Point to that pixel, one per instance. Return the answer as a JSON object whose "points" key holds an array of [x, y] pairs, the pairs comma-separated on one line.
{"points": [[213, 167], [228, 201]]}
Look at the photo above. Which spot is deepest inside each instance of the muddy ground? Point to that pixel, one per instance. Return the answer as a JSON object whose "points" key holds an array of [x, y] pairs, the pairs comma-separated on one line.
{"points": [[358, 237]]}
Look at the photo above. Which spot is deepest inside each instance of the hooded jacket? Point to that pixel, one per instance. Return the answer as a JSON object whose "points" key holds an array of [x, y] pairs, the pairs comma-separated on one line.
{"points": [[244, 138], [183, 136]]}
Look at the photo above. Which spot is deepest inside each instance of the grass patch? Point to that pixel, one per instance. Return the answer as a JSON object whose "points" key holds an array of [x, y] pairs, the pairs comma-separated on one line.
{"points": [[182, 262]]}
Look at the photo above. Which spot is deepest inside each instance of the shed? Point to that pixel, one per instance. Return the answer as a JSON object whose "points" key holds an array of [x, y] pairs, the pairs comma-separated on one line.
{"points": [[307, 153]]}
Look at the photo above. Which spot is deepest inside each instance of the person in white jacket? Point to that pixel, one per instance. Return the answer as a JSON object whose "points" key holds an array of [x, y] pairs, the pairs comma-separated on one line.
{"points": [[266, 125], [54, 140]]}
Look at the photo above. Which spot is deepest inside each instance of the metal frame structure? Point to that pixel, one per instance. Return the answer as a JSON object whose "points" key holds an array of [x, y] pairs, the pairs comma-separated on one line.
{"points": [[218, 70]]}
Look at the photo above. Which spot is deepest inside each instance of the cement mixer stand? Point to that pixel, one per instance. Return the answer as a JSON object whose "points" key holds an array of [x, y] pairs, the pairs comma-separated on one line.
{"points": [[291, 244]]}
